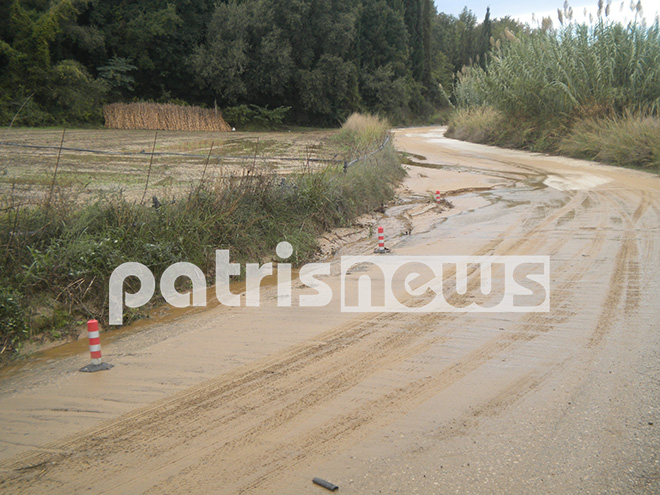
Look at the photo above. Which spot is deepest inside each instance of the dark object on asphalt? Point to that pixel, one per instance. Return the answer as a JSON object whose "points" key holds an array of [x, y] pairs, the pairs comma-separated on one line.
{"points": [[325, 484]]}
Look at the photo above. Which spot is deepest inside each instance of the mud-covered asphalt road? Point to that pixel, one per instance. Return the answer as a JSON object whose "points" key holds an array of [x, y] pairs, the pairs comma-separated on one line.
{"points": [[261, 400]]}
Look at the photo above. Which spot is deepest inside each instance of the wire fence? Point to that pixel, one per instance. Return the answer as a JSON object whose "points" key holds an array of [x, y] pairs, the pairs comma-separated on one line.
{"points": [[169, 153], [28, 170], [364, 157]]}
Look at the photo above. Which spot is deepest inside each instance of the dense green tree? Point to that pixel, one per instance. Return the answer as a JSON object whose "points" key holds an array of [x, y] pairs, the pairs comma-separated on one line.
{"points": [[460, 41], [117, 75], [413, 19], [56, 90], [428, 11], [382, 38], [466, 32], [31, 34], [382, 57], [483, 39], [329, 92], [221, 63], [157, 37], [443, 50], [322, 58]]}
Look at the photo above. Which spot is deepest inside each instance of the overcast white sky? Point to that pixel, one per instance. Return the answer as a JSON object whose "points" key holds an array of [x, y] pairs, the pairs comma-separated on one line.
{"points": [[542, 8]]}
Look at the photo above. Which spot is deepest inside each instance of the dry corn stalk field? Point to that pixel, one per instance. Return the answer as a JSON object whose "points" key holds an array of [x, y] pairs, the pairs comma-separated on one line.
{"points": [[164, 117], [29, 157]]}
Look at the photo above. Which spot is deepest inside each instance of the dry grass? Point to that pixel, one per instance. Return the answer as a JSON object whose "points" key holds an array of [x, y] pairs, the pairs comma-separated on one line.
{"points": [[630, 140], [363, 132], [478, 124], [154, 116]]}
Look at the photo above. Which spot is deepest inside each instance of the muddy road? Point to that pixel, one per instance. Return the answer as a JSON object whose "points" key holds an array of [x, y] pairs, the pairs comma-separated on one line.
{"points": [[261, 400]]}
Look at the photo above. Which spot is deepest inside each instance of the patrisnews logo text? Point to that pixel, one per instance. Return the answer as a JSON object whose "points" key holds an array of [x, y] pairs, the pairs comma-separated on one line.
{"points": [[386, 283], [437, 284]]}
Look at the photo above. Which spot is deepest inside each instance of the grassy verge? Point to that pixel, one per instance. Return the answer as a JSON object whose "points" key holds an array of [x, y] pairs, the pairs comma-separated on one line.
{"points": [[629, 140], [363, 132], [57, 256]]}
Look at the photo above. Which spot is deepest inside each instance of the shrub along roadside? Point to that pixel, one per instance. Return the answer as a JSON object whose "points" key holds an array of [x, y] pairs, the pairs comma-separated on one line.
{"points": [[363, 132], [629, 140], [57, 259]]}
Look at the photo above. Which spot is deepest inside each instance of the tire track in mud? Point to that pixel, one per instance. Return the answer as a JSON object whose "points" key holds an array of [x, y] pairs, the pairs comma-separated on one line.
{"points": [[624, 282], [385, 409], [376, 413], [133, 425], [425, 389], [117, 435]]}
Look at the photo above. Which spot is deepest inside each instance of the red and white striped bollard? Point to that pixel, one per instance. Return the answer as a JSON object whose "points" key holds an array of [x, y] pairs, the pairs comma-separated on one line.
{"points": [[381, 241], [94, 341], [95, 349], [437, 196]]}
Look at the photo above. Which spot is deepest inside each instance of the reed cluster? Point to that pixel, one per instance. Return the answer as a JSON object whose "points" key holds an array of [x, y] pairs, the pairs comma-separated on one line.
{"points": [[166, 117], [559, 90]]}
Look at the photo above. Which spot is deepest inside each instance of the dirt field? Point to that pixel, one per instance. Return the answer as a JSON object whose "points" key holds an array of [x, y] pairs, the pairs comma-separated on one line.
{"points": [[179, 163], [263, 399]]}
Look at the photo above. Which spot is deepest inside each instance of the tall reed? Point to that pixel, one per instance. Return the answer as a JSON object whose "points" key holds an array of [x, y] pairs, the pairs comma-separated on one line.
{"points": [[587, 91], [601, 69]]}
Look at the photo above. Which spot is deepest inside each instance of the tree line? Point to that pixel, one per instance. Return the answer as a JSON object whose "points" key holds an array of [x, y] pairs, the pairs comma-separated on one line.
{"points": [[309, 61]]}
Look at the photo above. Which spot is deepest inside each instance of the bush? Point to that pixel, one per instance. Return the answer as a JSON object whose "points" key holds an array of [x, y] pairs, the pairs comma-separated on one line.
{"points": [[479, 124], [630, 140], [13, 326], [362, 132]]}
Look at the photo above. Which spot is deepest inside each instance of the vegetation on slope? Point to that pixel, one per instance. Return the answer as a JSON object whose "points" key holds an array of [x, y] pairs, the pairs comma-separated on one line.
{"points": [[57, 257]]}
